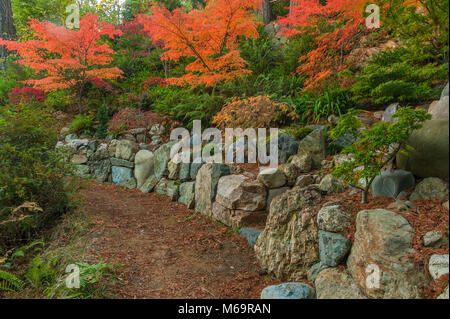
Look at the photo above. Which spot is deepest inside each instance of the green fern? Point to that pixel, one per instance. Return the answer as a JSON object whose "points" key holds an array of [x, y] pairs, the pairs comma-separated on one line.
{"points": [[9, 282]]}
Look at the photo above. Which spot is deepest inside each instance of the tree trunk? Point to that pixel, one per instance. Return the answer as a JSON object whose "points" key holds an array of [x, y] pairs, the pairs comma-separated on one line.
{"points": [[267, 11], [7, 29], [292, 3]]}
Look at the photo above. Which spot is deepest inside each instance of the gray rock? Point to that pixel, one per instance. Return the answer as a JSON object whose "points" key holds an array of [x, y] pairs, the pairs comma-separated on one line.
{"points": [[251, 234], [162, 157], [185, 170], [332, 219], [390, 110], [272, 177], [187, 194], [238, 192], [79, 159], [236, 218], [439, 109], [438, 266], [131, 183], [168, 188], [332, 248], [391, 183], [157, 129], [289, 290], [429, 156], [314, 145], [290, 171], [206, 185], [144, 162], [121, 175], [287, 146], [335, 283], [121, 162], [100, 170], [383, 240], [195, 167], [433, 239], [70, 137], [92, 145], [149, 184], [332, 185], [287, 248], [303, 162], [125, 149], [444, 91], [78, 143], [430, 187]]}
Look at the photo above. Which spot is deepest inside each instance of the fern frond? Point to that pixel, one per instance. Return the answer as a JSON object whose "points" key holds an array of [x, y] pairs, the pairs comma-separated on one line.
{"points": [[9, 282]]}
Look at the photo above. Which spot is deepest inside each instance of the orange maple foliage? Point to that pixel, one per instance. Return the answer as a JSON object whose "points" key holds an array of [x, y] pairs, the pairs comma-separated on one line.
{"points": [[344, 18], [67, 58], [209, 35]]}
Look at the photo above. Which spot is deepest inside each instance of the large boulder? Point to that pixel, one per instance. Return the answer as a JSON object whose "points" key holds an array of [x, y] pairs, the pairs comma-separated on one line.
{"points": [[125, 149], [429, 154], [187, 194], [272, 177], [431, 187], [439, 109], [314, 145], [206, 185], [335, 283], [162, 157], [287, 247], [239, 192], [143, 162], [289, 290], [391, 183], [234, 217], [381, 249]]}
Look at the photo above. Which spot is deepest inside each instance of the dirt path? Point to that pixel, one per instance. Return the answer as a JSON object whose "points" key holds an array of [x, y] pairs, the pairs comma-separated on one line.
{"points": [[163, 254]]}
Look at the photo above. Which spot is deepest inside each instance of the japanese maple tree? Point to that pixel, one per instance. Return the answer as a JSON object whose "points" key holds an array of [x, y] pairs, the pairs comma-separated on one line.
{"points": [[68, 59], [337, 25], [208, 35]]}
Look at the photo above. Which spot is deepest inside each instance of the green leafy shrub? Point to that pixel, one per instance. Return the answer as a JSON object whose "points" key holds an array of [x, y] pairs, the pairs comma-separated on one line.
{"points": [[388, 79], [185, 104], [59, 100], [30, 171], [82, 124], [374, 148]]}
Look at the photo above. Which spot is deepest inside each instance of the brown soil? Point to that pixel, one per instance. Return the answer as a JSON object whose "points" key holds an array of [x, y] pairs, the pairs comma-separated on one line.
{"points": [[162, 254]]}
